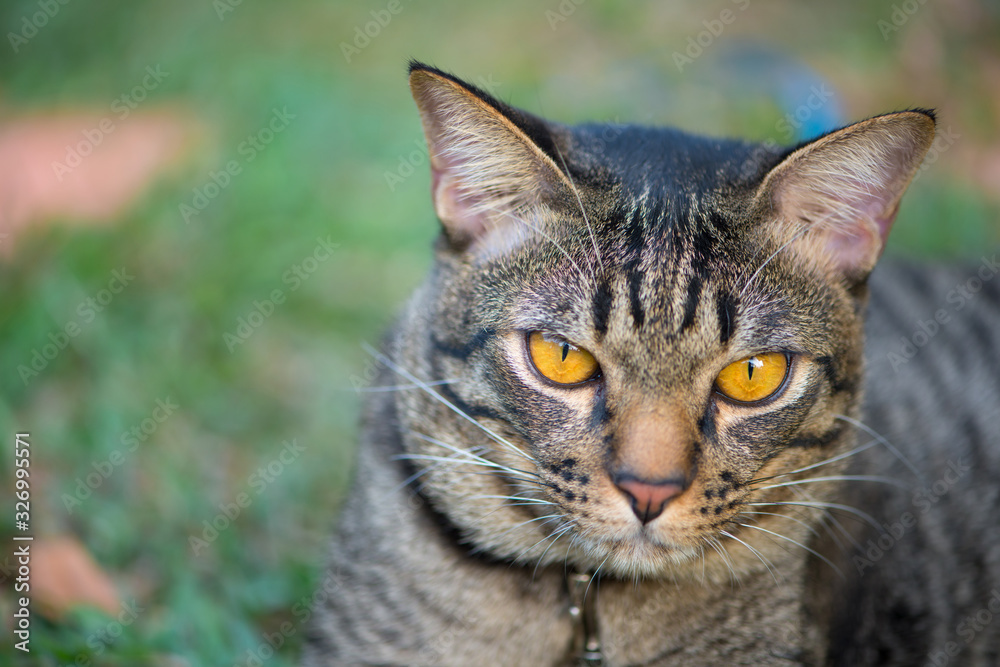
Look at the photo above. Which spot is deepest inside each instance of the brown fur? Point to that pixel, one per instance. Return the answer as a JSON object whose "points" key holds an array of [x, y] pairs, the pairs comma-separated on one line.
{"points": [[477, 494]]}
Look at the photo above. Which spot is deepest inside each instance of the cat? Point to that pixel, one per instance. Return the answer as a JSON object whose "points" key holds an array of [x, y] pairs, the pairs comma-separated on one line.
{"points": [[627, 423]]}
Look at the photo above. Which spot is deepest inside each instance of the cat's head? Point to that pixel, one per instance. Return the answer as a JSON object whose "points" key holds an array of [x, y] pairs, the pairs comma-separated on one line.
{"points": [[637, 341]]}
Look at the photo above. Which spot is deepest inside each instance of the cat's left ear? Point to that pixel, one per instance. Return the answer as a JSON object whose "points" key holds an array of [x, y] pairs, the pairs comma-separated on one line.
{"points": [[833, 201], [493, 167]]}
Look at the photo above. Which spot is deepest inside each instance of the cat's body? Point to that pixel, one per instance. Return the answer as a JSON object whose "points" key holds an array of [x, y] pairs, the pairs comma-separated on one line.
{"points": [[670, 267]]}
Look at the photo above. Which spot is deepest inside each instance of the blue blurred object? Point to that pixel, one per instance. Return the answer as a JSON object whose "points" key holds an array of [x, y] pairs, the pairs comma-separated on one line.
{"points": [[808, 102]]}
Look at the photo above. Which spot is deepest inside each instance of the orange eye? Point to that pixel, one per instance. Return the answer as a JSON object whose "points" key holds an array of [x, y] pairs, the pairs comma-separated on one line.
{"points": [[559, 360], [754, 378]]}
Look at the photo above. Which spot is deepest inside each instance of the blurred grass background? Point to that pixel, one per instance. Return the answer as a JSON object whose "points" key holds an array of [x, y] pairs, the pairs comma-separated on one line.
{"points": [[324, 176]]}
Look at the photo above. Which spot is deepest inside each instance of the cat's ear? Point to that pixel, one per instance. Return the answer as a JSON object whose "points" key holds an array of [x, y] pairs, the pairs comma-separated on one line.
{"points": [[833, 201], [488, 164]]}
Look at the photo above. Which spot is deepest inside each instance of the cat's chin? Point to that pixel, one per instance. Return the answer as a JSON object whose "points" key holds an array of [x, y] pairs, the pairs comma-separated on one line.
{"points": [[641, 557]]}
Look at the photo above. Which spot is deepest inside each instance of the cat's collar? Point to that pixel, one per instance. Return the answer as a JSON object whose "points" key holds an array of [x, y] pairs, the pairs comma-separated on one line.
{"points": [[583, 613]]}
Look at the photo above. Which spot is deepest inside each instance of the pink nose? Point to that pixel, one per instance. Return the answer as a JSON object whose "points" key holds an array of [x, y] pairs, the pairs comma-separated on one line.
{"points": [[649, 499]]}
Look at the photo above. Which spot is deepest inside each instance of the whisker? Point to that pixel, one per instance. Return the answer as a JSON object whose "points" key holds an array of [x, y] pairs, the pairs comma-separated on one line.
{"points": [[836, 478], [835, 506], [579, 201], [594, 576], [878, 436], [756, 553], [786, 516], [523, 499], [542, 233], [828, 516], [479, 459], [555, 538], [401, 387], [423, 385], [719, 549], [525, 523], [856, 450], [767, 261], [798, 544], [450, 459]]}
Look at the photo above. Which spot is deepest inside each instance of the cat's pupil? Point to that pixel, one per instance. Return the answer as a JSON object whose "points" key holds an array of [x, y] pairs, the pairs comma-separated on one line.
{"points": [[750, 369], [565, 351]]}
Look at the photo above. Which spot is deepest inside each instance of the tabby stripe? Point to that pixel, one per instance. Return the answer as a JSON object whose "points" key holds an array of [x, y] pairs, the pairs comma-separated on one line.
{"points": [[707, 422], [636, 235], [822, 440], [465, 351], [601, 307], [601, 414], [725, 311], [691, 302], [837, 383], [635, 303], [471, 410]]}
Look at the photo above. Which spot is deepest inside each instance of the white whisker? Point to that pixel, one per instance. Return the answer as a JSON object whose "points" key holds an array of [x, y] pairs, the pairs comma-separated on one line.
{"points": [[856, 450], [423, 385], [756, 553], [401, 387], [785, 516], [870, 431], [835, 478], [798, 544], [773, 255], [579, 201], [834, 506]]}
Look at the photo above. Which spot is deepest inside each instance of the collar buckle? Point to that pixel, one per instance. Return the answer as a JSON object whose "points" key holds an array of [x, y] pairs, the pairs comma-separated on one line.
{"points": [[583, 612]]}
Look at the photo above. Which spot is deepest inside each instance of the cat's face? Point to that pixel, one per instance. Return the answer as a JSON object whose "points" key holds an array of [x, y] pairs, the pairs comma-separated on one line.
{"points": [[643, 349]]}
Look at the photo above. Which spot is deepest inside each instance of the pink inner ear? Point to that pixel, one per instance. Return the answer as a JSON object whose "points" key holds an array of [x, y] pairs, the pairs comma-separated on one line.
{"points": [[852, 219], [853, 248], [455, 208]]}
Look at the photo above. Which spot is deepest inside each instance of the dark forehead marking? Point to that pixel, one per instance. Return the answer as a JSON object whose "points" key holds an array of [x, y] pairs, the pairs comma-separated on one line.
{"points": [[635, 303], [691, 302], [601, 306], [636, 239], [725, 311]]}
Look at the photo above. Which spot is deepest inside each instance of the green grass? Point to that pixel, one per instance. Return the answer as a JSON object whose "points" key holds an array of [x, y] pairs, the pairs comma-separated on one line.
{"points": [[163, 336]]}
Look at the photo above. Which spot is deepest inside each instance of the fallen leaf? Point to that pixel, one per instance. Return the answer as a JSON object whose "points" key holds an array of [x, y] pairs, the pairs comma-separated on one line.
{"points": [[64, 575]]}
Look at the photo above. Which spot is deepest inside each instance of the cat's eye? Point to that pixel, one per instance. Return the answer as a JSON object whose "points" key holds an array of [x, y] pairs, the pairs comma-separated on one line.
{"points": [[559, 360], [753, 378]]}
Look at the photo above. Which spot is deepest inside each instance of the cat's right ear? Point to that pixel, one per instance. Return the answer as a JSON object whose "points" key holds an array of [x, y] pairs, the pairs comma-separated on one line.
{"points": [[832, 202], [489, 170]]}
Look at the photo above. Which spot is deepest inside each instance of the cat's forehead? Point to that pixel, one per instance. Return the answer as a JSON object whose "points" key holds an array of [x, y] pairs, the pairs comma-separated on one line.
{"points": [[664, 162]]}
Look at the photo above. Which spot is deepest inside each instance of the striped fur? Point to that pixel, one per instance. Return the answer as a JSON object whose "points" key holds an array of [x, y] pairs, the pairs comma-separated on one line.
{"points": [[668, 257]]}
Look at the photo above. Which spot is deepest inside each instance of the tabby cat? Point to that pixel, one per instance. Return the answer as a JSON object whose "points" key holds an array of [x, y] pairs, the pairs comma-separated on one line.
{"points": [[627, 426]]}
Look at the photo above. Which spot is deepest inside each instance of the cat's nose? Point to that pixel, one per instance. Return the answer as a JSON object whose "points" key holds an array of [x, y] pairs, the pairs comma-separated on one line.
{"points": [[649, 499]]}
